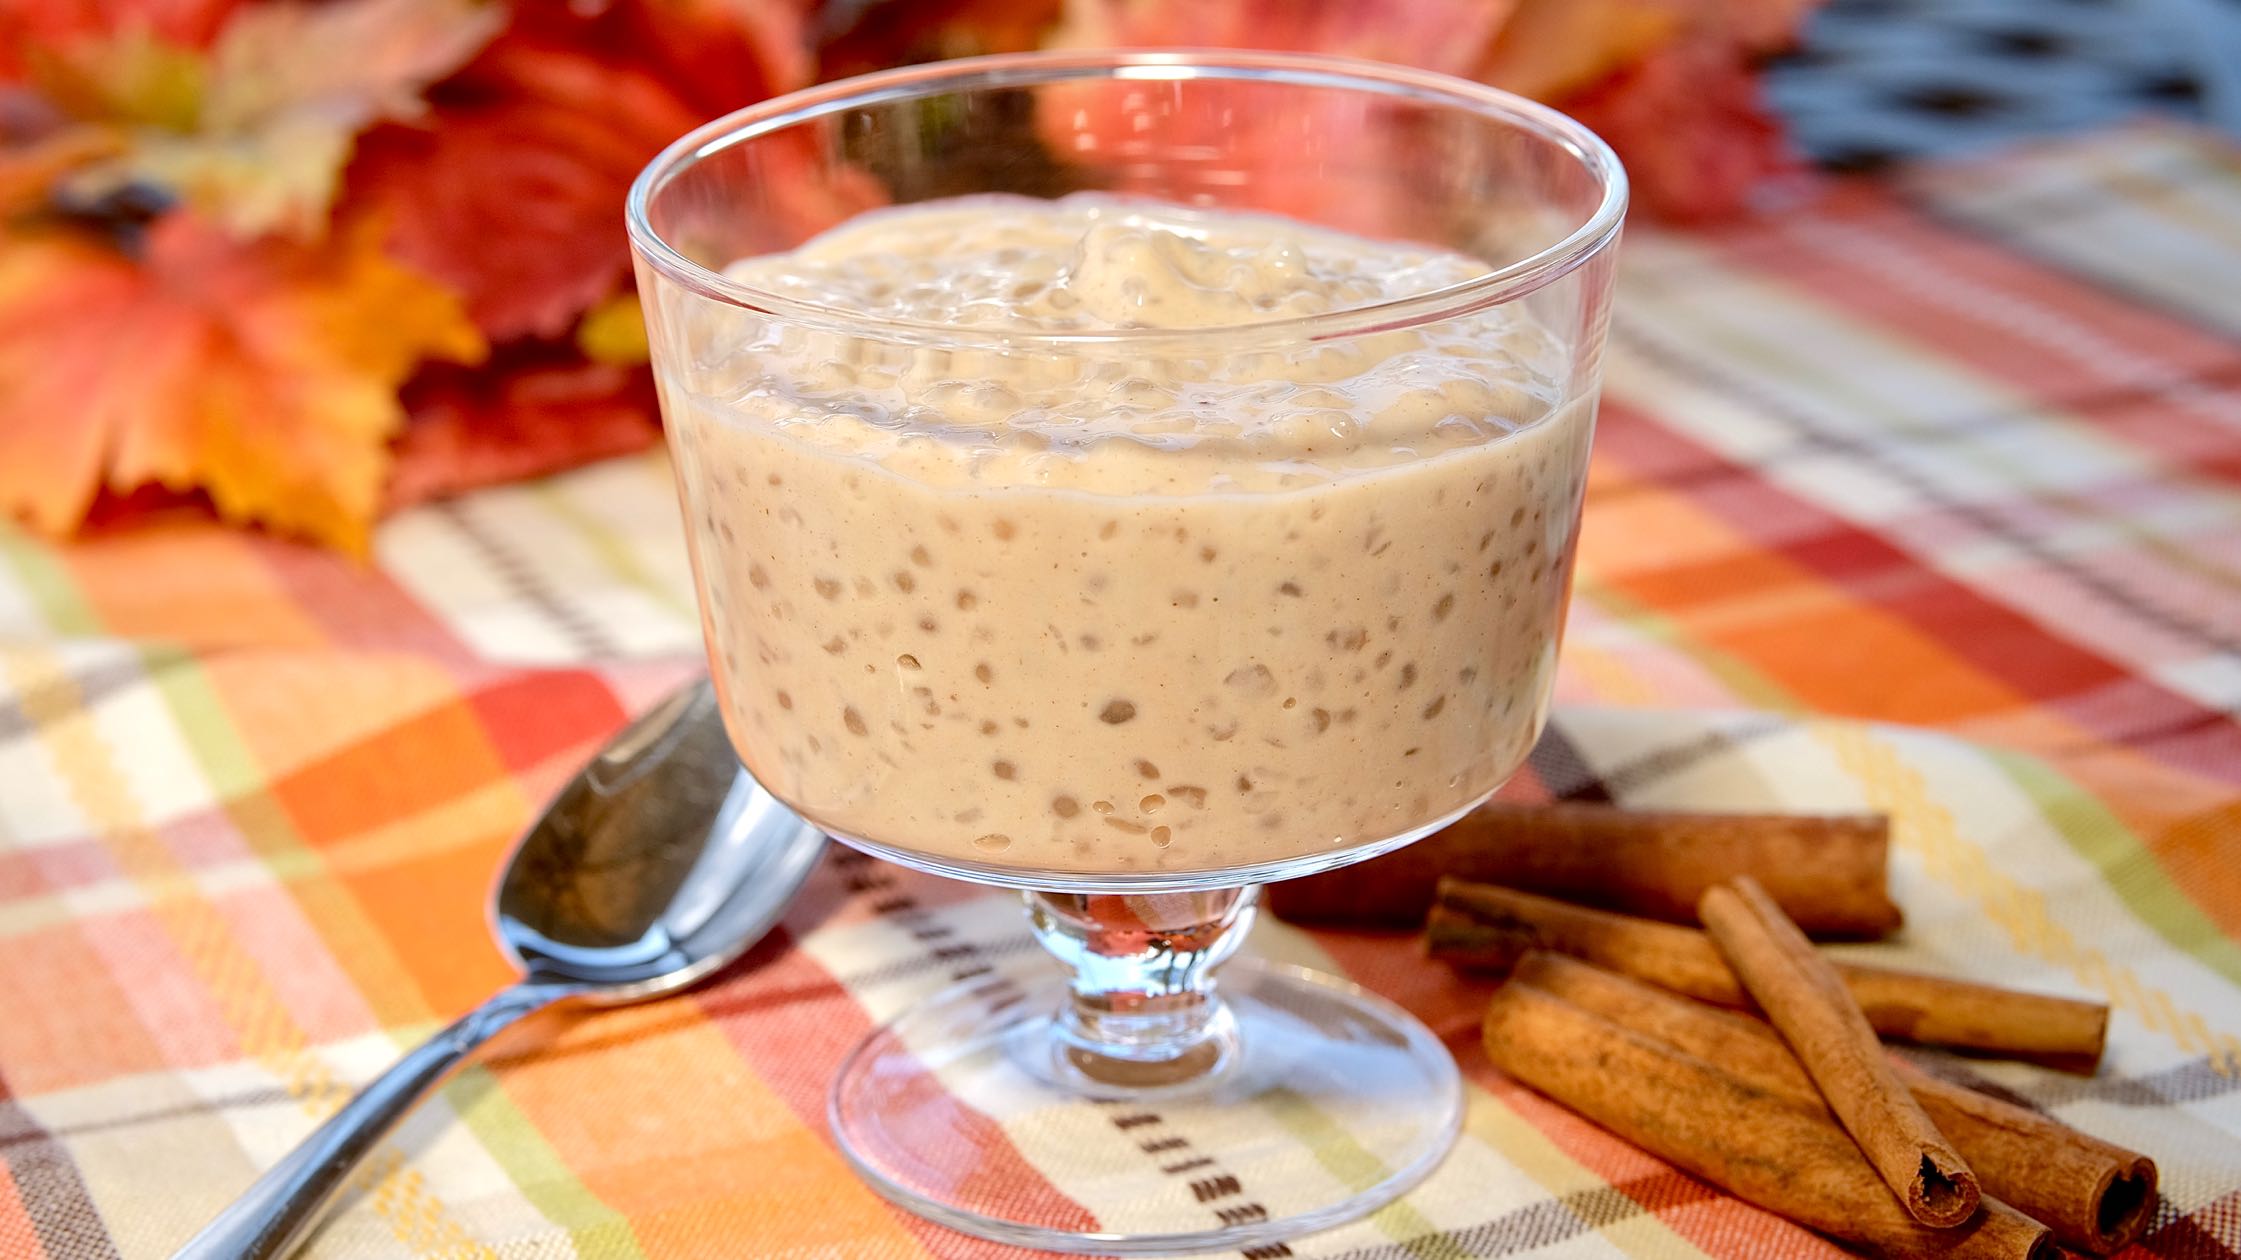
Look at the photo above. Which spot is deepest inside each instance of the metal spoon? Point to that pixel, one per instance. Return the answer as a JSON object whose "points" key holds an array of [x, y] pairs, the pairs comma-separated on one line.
{"points": [[659, 863]]}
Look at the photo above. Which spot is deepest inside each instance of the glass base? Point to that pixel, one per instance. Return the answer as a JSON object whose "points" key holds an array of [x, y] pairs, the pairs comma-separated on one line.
{"points": [[1316, 1103]]}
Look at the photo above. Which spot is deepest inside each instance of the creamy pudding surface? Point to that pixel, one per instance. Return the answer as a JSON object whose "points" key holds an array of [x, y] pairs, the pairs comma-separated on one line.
{"points": [[1146, 602]]}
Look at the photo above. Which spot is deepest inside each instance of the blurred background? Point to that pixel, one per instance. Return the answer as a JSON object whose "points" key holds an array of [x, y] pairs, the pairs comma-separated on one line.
{"points": [[1877, 80]]}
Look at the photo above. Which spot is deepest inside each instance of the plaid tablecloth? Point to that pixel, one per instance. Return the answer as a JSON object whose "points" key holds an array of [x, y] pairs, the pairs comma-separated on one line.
{"points": [[1919, 497]]}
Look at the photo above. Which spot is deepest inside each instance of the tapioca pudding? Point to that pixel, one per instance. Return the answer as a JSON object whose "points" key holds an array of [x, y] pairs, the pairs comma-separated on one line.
{"points": [[1142, 601]]}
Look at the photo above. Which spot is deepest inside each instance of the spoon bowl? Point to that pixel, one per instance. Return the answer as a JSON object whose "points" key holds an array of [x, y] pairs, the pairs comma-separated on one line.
{"points": [[659, 863]]}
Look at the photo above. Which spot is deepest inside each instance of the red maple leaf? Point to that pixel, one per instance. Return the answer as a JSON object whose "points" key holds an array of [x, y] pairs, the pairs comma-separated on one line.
{"points": [[513, 192], [537, 408], [1690, 124]]}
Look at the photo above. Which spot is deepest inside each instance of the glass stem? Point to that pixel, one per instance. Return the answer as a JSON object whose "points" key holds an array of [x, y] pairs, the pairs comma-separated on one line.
{"points": [[1142, 1011]]}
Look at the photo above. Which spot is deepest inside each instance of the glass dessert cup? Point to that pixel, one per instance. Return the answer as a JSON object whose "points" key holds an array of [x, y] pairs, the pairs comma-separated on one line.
{"points": [[1135, 677]]}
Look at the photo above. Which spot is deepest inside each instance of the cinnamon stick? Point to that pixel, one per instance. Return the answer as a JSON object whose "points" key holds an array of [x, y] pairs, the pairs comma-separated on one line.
{"points": [[1484, 926], [1827, 872], [1755, 1144], [2097, 1197], [1806, 1000]]}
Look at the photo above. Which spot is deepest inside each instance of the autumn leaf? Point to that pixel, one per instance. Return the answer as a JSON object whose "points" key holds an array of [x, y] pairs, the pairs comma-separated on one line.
{"points": [[29, 169], [534, 409], [880, 33], [514, 199], [1672, 84], [255, 132], [264, 373], [1551, 47], [1691, 126], [614, 331], [517, 202], [716, 54], [28, 26]]}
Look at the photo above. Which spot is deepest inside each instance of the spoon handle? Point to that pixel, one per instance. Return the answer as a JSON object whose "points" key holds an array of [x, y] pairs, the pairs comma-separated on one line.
{"points": [[279, 1208]]}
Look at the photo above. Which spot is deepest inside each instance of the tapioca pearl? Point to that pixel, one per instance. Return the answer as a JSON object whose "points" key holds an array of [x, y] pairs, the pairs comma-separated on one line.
{"points": [[1101, 807], [865, 588], [929, 625], [1151, 804], [1189, 794], [921, 557], [1408, 676], [1116, 712], [1123, 824], [908, 662], [1004, 529], [993, 842], [757, 577], [989, 728], [1321, 719], [1252, 680], [835, 645], [1106, 531], [904, 582], [1244, 783], [1432, 710], [854, 721], [1162, 836], [785, 701], [1065, 806], [967, 601], [1443, 606], [1350, 639]]}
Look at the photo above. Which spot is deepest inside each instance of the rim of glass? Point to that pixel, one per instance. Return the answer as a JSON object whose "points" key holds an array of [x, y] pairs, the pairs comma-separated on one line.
{"points": [[1502, 284]]}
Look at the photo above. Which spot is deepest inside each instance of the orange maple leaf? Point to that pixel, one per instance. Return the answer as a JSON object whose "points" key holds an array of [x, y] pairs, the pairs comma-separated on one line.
{"points": [[263, 373]]}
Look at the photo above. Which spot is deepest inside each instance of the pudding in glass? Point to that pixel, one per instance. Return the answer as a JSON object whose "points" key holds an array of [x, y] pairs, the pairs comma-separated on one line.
{"points": [[1153, 604]]}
